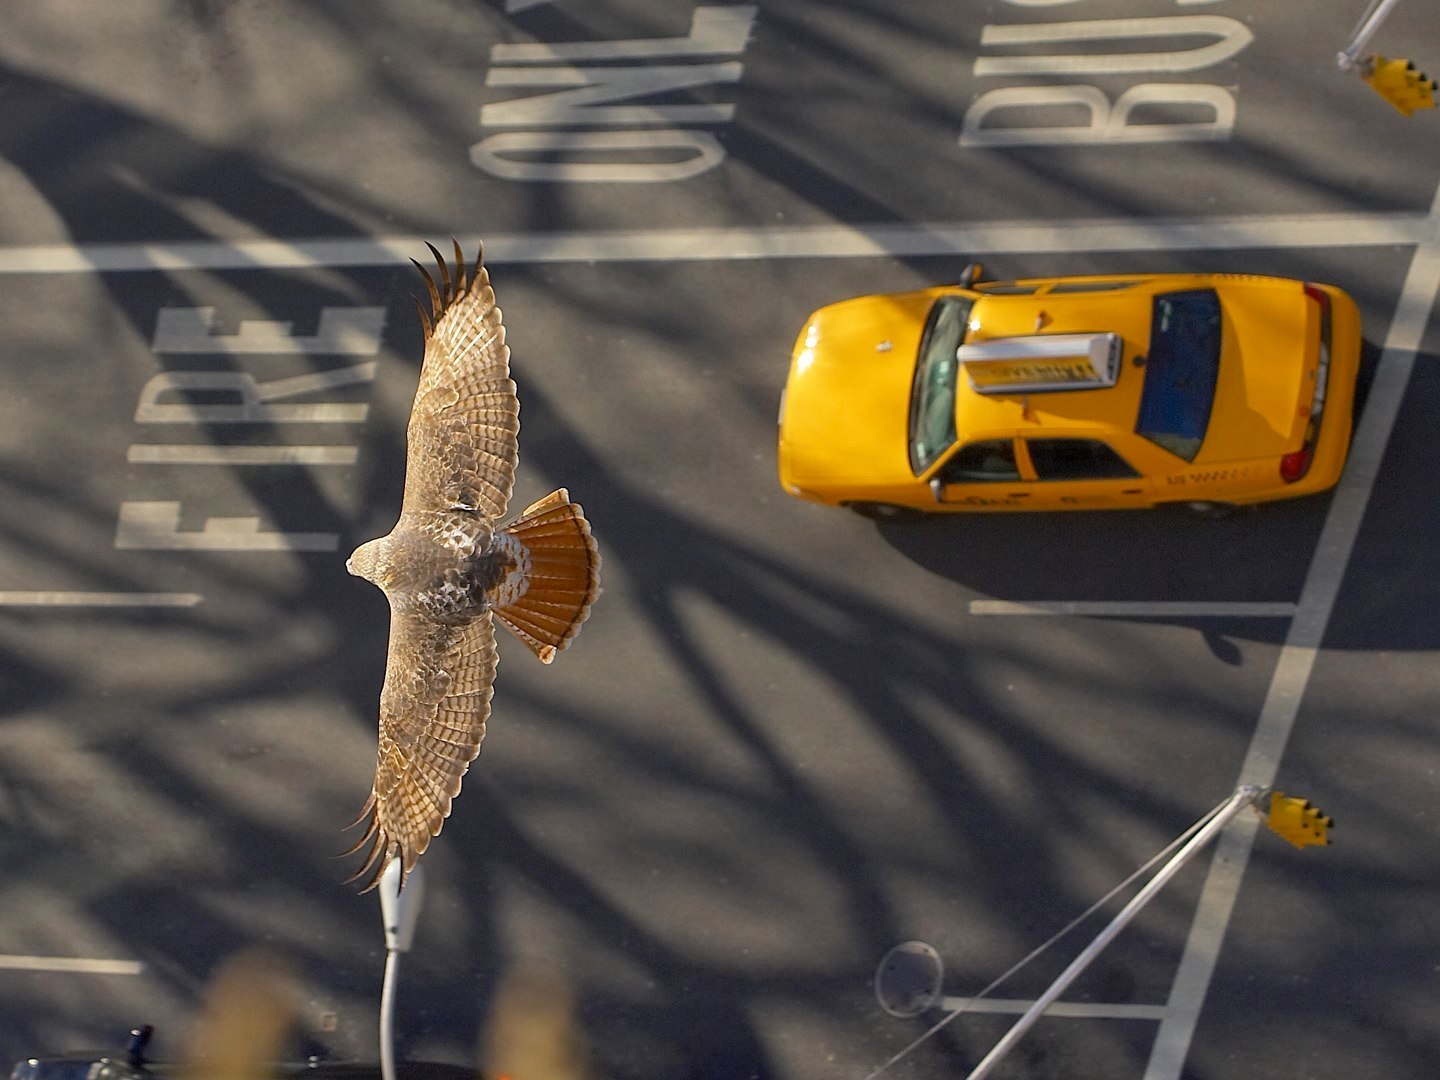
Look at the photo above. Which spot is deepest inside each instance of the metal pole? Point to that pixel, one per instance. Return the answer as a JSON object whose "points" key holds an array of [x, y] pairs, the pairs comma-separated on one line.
{"points": [[1243, 797], [400, 912], [387, 1015], [1363, 33]]}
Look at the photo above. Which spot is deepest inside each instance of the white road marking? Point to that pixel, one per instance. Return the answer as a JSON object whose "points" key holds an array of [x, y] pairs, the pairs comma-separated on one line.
{"points": [[1078, 1009], [1231, 36], [1302, 646], [714, 31], [155, 526], [743, 243], [347, 331], [205, 454], [98, 599], [71, 965], [256, 401], [1137, 609]]}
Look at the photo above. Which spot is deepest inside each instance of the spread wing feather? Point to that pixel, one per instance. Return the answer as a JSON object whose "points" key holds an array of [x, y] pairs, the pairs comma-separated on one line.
{"points": [[433, 708], [464, 425]]}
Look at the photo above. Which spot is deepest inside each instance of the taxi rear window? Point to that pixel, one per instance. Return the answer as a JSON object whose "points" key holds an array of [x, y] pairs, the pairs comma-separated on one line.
{"points": [[1181, 370]]}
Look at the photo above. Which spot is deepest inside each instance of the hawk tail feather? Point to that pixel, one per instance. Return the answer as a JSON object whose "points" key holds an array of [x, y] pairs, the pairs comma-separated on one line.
{"points": [[564, 575]]}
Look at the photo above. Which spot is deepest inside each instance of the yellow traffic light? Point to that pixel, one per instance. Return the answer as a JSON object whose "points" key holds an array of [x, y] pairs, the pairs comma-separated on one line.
{"points": [[1399, 83], [1297, 821]]}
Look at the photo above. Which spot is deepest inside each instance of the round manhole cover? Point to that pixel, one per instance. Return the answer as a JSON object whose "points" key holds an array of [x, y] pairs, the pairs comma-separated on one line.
{"points": [[907, 982]]}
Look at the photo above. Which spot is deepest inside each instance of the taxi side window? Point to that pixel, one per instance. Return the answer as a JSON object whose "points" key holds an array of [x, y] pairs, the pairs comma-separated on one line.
{"points": [[978, 462], [1077, 459]]}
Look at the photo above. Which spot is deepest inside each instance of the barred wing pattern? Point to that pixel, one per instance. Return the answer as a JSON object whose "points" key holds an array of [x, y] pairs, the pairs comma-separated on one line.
{"points": [[463, 430], [433, 708], [449, 570], [461, 453]]}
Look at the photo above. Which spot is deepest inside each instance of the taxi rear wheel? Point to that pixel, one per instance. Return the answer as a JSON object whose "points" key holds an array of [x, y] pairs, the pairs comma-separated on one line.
{"points": [[879, 511]]}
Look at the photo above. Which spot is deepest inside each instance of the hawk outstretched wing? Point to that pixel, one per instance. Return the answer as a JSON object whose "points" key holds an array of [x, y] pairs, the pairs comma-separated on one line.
{"points": [[433, 708], [462, 435]]}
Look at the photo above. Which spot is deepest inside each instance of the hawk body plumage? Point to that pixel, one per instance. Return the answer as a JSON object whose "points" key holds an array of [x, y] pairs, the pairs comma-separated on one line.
{"points": [[448, 570]]}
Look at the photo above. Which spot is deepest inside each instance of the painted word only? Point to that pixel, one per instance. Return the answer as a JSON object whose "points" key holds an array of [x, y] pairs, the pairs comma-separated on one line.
{"points": [[586, 127]]}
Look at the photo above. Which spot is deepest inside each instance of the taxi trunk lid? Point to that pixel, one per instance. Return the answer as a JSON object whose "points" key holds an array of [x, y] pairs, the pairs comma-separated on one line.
{"points": [[1268, 370]]}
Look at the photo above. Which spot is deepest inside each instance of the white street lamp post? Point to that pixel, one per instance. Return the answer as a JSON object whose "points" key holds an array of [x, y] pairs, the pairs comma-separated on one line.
{"points": [[400, 910]]}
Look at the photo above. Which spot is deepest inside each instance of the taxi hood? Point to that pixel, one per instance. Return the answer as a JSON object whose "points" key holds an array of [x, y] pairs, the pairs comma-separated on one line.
{"points": [[847, 401]]}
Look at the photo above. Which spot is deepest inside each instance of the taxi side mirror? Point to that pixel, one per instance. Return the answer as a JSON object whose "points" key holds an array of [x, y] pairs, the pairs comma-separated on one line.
{"points": [[937, 488], [971, 274]]}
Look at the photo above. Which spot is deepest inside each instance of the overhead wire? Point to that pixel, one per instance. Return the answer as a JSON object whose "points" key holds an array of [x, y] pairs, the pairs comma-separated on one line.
{"points": [[940, 1024]]}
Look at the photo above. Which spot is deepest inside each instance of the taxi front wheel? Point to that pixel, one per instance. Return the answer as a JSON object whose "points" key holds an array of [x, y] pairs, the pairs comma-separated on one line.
{"points": [[879, 511]]}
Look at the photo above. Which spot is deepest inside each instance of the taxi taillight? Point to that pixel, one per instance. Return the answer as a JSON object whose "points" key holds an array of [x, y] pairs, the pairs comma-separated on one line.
{"points": [[1294, 465]]}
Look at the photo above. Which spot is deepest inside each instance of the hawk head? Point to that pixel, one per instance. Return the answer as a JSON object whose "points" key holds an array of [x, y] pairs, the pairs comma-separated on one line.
{"points": [[371, 561]]}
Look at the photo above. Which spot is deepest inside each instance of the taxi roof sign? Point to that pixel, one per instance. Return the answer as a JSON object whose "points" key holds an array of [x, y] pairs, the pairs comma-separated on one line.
{"points": [[1041, 363]]}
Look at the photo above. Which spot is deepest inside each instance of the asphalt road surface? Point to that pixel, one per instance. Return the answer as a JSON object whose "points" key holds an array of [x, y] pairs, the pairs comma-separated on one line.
{"points": [[788, 739]]}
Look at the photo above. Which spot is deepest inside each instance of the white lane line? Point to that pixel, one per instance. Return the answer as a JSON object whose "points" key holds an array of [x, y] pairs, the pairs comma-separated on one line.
{"points": [[203, 454], [720, 244], [1078, 1009], [14, 598], [1302, 646], [1137, 609], [71, 965]]}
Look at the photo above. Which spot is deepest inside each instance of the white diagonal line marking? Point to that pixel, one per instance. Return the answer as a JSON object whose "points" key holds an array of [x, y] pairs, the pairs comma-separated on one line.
{"points": [[1302, 645]]}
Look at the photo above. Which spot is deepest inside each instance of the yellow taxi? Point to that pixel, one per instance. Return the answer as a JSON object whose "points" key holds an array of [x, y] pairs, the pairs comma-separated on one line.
{"points": [[1072, 393]]}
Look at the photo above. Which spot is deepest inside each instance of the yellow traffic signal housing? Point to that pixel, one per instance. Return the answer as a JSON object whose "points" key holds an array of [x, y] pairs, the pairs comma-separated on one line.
{"points": [[1297, 821], [1399, 83]]}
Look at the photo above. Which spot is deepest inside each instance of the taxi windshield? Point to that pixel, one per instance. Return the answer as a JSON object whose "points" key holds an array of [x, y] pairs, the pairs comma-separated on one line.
{"points": [[932, 396], [1181, 371]]}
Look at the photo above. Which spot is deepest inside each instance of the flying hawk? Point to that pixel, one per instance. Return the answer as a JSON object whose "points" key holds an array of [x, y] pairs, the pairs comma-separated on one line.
{"points": [[448, 566]]}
